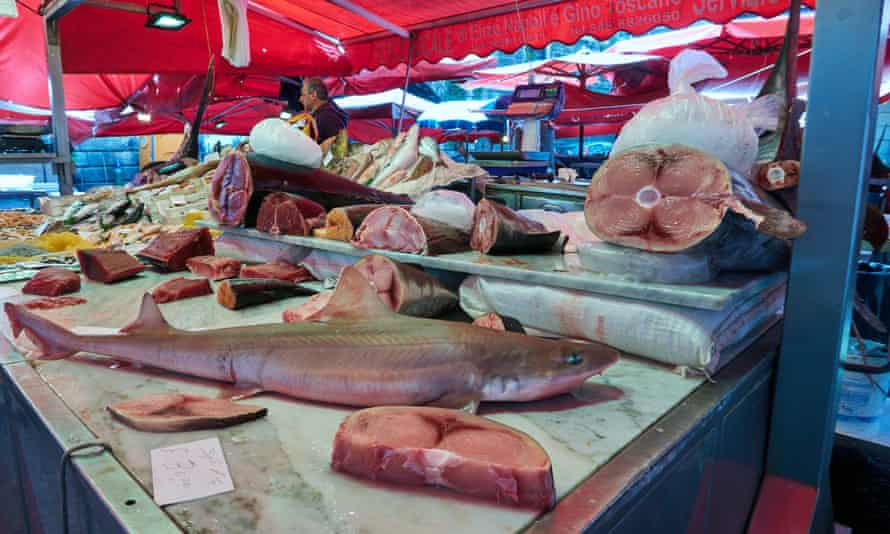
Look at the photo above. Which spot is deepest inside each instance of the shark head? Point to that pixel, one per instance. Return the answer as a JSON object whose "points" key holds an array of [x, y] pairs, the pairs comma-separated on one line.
{"points": [[542, 368]]}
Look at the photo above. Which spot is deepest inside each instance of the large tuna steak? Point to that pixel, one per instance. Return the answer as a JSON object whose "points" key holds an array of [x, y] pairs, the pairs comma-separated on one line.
{"points": [[52, 282], [447, 448], [395, 228], [107, 266], [286, 214], [671, 198], [170, 251]]}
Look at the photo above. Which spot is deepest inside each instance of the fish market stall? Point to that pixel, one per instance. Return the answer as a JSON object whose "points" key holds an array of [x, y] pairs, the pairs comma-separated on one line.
{"points": [[628, 425]]}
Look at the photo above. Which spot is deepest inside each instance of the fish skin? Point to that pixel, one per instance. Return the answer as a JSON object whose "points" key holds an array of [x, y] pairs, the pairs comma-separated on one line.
{"points": [[389, 360]]}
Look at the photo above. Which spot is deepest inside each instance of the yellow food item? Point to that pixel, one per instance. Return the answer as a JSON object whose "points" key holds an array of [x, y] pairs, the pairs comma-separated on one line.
{"points": [[189, 219], [61, 242]]}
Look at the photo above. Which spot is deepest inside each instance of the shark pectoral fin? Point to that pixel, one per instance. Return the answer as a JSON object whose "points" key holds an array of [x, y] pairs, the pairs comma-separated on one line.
{"points": [[150, 317], [464, 400], [239, 391]]}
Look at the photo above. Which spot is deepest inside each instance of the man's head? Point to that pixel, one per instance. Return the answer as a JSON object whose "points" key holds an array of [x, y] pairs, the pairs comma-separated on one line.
{"points": [[313, 94]]}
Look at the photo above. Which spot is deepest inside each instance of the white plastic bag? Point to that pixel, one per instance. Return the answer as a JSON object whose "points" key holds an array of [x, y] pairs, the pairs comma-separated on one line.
{"points": [[669, 334], [276, 139], [726, 132], [235, 34]]}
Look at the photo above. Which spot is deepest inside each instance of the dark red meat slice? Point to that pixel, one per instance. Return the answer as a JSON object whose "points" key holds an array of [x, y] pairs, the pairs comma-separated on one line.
{"points": [[107, 266], [237, 177], [277, 270], [230, 190], [445, 448], [499, 230], [181, 288], [395, 228], [52, 282], [286, 214], [51, 303], [213, 267], [170, 251]]}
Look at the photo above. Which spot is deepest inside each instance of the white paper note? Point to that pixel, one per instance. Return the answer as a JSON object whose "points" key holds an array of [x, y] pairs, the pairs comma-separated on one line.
{"points": [[189, 471]]}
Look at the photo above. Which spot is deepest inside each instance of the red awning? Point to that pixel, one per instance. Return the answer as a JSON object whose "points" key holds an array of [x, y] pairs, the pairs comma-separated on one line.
{"points": [[383, 78], [103, 40], [23, 71]]}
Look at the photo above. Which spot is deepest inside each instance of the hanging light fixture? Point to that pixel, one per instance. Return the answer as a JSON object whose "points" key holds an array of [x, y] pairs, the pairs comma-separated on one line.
{"points": [[163, 17], [219, 124]]}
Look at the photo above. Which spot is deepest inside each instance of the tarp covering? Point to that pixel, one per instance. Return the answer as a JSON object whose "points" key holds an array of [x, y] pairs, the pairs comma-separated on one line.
{"points": [[23, 71], [384, 78], [455, 29], [101, 40]]}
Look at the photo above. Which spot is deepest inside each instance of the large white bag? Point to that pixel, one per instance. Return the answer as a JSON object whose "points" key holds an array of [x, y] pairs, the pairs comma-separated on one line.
{"points": [[669, 334], [276, 139]]}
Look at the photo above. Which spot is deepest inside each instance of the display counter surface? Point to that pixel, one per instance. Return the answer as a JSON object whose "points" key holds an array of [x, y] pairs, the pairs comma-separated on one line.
{"points": [[555, 270], [281, 463]]}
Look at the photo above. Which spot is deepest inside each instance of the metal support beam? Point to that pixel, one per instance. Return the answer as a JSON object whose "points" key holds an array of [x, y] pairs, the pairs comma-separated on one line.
{"points": [[62, 166], [57, 9], [372, 17], [849, 38]]}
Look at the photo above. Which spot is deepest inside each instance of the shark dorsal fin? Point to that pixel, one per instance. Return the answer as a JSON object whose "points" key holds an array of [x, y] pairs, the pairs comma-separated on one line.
{"points": [[150, 317], [353, 298]]}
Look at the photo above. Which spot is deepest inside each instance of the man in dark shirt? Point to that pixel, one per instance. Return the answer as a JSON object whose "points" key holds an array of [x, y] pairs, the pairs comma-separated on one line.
{"points": [[329, 118]]}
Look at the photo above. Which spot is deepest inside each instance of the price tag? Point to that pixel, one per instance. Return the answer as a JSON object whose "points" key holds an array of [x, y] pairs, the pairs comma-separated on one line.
{"points": [[189, 471]]}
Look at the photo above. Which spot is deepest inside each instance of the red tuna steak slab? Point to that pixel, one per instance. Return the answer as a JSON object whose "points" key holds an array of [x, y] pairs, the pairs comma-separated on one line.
{"points": [[499, 230], [395, 228], [277, 270], [52, 282], [671, 198], [173, 412], [213, 267], [285, 214], [170, 251], [446, 448], [230, 190], [107, 266], [181, 288]]}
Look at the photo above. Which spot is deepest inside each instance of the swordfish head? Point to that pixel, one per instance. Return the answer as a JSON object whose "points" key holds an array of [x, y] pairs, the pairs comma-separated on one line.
{"points": [[535, 368]]}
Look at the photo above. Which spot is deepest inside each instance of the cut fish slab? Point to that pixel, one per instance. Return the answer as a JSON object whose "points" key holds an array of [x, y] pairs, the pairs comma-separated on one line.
{"points": [[445, 448], [176, 412]]}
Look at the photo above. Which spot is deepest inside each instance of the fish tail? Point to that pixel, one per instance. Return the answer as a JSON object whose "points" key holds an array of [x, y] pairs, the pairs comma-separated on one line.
{"points": [[763, 112], [53, 341], [691, 66]]}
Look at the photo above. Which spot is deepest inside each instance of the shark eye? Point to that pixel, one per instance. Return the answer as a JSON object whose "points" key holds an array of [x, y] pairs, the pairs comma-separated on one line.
{"points": [[574, 359]]}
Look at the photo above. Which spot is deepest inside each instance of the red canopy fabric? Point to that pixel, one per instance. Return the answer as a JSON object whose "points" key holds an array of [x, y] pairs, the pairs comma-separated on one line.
{"points": [[384, 78], [96, 39], [455, 29], [101, 40], [23, 71]]}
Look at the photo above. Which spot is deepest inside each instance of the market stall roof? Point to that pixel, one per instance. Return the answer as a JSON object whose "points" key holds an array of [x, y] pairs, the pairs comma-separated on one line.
{"points": [[371, 31], [385, 78], [386, 98], [96, 39], [23, 71], [754, 35], [571, 69]]}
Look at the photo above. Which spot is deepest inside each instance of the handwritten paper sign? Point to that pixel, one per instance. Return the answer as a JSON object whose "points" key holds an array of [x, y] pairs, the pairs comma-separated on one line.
{"points": [[189, 471]]}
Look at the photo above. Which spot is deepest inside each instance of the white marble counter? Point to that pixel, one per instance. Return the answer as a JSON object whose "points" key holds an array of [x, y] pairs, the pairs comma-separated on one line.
{"points": [[280, 464]]}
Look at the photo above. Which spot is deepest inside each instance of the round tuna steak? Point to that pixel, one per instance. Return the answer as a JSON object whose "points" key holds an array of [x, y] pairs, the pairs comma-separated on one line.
{"points": [[657, 199]]}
